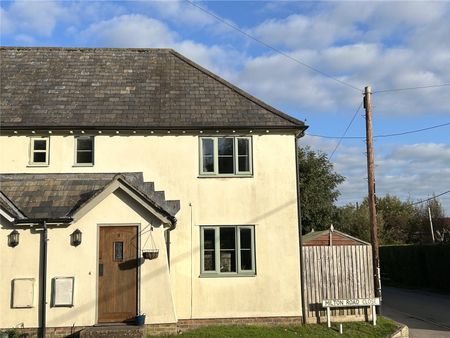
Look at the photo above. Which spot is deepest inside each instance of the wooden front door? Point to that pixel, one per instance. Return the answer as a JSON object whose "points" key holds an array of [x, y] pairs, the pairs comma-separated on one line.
{"points": [[117, 274]]}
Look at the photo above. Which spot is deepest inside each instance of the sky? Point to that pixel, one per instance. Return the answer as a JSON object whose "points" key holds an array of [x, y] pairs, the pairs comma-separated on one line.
{"points": [[308, 59]]}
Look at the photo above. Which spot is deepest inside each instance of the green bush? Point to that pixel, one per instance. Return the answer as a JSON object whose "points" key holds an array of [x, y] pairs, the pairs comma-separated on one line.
{"points": [[416, 266]]}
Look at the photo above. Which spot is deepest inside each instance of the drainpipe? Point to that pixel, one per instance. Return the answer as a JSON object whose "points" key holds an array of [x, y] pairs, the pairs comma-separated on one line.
{"points": [[299, 215], [172, 227], [43, 323]]}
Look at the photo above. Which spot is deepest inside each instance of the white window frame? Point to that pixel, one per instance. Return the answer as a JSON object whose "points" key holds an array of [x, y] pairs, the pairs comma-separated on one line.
{"points": [[217, 272], [236, 172], [32, 151], [76, 164]]}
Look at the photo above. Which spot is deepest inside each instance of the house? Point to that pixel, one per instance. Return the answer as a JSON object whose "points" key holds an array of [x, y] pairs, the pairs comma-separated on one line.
{"points": [[110, 155]]}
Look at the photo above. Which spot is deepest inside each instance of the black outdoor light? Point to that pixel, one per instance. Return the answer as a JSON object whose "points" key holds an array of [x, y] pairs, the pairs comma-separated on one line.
{"points": [[13, 238], [75, 237]]}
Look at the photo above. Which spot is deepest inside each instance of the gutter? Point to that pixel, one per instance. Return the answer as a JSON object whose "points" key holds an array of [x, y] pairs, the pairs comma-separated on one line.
{"points": [[300, 227]]}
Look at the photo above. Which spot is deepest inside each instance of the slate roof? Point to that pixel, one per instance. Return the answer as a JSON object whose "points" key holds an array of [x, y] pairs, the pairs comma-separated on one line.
{"points": [[122, 88], [58, 196]]}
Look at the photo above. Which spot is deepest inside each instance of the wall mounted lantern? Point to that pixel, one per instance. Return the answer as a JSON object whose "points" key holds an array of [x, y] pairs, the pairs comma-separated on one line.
{"points": [[75, 237], [13, 238]]}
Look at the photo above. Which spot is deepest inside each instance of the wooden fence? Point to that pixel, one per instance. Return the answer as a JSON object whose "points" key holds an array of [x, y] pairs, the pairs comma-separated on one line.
{"points": [[337, 272]]}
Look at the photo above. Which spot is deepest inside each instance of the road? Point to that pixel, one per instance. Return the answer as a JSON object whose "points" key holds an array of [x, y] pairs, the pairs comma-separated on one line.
{"points": [[427, 314]]}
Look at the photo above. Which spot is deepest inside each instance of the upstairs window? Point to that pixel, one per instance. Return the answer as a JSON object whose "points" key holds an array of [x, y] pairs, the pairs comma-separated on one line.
{"points": [[225, 156], [84, 150], [227, 250], [39, 151]]}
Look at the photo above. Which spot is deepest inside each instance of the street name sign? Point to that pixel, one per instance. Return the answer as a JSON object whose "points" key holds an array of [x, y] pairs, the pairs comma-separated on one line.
{"points": [[350, 302], [353, 302]]}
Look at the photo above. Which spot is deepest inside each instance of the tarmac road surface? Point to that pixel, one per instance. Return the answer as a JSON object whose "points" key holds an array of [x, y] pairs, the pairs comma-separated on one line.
{"points": [[427, 314]]}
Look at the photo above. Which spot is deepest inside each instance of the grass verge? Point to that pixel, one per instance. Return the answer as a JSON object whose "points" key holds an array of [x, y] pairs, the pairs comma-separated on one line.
{"points": [[356, 329]]}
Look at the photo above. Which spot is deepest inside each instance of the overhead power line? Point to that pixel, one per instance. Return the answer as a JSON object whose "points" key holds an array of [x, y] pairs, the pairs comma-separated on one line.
{"points": [[273, 48], [346, 129], [383, 135], [410, 88], [431, 198]]}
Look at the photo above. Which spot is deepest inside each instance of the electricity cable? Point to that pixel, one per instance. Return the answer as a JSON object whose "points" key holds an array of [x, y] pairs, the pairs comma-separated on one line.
{"points": [[273, 48], [383, 135], [410, 88], [346, 129], [431, 198]]}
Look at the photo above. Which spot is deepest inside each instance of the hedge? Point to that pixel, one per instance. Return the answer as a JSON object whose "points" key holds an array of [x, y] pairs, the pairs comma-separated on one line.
{"points": [[416, 266]]}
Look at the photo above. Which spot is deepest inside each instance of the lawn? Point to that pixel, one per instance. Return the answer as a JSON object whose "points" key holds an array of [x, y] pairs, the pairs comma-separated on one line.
{"points": [[358, 329]]}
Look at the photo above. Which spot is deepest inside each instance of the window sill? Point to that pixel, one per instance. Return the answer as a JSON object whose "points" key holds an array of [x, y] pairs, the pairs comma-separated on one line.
{"points": [[226, 275], [37, 165], [83, 165], [226, 176]]}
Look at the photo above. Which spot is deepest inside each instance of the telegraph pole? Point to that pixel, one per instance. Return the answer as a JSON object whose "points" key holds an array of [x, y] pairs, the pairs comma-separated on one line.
{"points": [[371, 186]]}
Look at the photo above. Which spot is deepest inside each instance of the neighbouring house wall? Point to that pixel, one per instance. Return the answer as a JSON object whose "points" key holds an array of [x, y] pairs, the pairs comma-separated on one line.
{"points": [[267, 200], [80, 262]]}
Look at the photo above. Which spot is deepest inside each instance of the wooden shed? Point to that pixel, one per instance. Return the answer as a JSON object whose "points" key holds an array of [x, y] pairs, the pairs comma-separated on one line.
{"points": [[336, 266]]}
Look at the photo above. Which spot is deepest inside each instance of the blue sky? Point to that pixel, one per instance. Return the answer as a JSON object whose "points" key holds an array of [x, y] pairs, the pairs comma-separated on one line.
{"points": [[382, 44]]}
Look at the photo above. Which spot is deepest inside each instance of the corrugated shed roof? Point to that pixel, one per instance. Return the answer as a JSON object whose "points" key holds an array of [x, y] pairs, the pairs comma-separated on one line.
{"points": [[123, 88]]}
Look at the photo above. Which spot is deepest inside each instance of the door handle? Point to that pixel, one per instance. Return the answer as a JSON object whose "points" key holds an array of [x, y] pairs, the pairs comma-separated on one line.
{"points": [[100, 269]]}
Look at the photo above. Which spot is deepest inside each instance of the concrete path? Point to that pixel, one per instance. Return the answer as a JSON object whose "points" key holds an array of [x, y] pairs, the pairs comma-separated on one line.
{"points": [[427, 314]]}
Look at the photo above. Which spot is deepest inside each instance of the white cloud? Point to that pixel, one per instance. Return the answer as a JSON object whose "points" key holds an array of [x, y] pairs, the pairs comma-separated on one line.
{"points": [[385, 45], [32, 17], [181, 12], [128, 31], [300, 31], [412, 171]]}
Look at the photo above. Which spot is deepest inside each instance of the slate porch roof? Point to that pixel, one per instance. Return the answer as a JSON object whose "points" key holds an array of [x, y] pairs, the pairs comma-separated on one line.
{"points": [[123, 88], [59, 196]]}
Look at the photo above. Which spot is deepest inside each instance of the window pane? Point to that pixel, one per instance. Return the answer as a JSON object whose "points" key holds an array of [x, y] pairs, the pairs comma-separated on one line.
{"points": [[225, 146], [208, 164], [209, 239], [208, 155], [226, 165], [227, 252], [246, 238], [40, 157], [227, 261], [246, 260], [40, 145], [244, 163], [84, 157], [209, 260], [208, 147], [227, 238], [118, 251], [243, 146], [84, 143]]}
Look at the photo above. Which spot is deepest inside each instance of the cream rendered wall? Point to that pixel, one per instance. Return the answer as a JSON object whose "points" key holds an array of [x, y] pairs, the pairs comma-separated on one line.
{"points": [[19, 262], [266, 200], [65, 260]]}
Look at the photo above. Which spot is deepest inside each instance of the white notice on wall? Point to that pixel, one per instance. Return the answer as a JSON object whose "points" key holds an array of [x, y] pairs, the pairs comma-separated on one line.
{"points": [[63, 291], [23, 292]]}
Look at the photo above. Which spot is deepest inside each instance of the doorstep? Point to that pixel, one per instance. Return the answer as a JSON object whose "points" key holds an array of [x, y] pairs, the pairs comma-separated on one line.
{"points": [[114, 331]]}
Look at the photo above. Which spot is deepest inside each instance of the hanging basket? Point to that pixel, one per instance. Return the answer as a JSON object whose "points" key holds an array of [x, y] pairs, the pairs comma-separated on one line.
{"points": [[150, 253]]}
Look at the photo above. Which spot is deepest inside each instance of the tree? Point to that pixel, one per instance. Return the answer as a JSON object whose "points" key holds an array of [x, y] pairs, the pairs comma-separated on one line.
{"points": [[398, 222], [420, 232], [318, 189], [398, 218]]}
